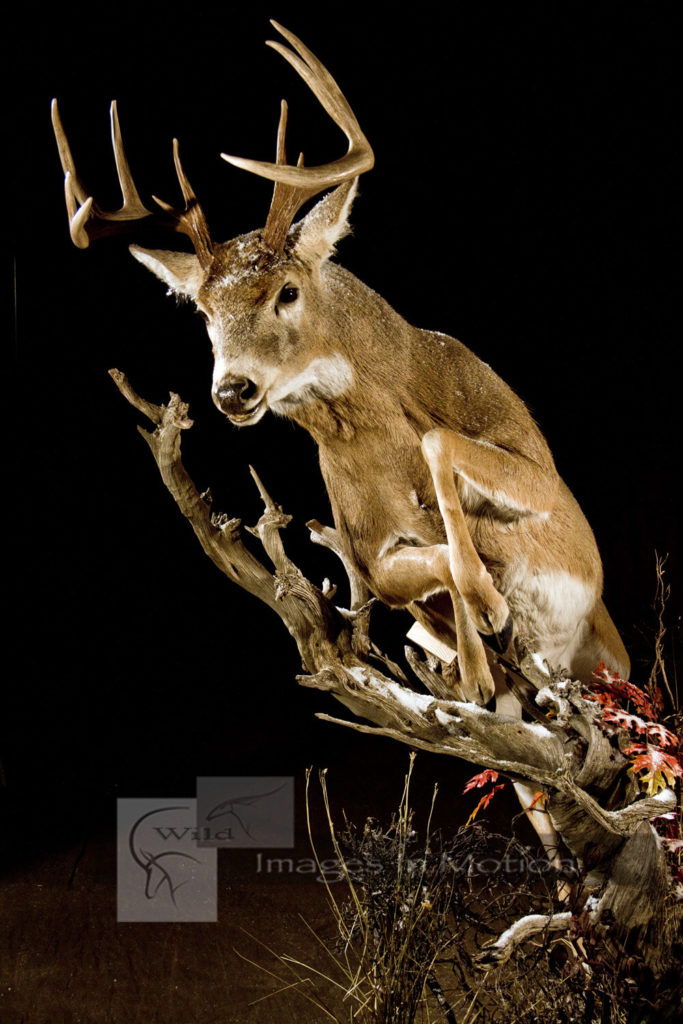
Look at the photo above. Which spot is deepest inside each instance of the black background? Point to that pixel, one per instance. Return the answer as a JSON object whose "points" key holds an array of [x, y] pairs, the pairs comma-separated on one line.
{"points": [[522, 201]]}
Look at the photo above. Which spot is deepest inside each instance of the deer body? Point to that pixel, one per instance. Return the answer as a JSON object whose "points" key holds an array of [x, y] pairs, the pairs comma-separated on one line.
{"points": [[443, 490], [371, 389], [412, 429]]}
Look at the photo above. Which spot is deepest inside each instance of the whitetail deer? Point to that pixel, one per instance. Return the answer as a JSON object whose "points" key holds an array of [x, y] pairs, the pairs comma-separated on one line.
{"points": [[443, 489]]}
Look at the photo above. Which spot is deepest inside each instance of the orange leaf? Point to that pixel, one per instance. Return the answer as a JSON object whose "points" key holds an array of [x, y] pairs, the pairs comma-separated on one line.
{"points": [[537, 797], [484, 802]]}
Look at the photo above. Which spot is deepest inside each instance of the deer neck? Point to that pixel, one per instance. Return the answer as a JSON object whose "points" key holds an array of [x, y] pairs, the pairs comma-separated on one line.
{"points": [[361, 329]]}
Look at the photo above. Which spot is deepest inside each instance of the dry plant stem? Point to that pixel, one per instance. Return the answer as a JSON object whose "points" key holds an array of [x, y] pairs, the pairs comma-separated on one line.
{"points": [[576, 764], [299, 984], [659, 665]]}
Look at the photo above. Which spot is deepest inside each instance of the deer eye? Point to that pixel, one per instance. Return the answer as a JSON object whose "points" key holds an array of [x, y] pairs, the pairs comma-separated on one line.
{"points": [[288, 294]]}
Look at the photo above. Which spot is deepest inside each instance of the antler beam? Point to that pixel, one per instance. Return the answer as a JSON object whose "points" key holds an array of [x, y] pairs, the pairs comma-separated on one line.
{"points": [[294, 184], [88, 221], [299, 183]]}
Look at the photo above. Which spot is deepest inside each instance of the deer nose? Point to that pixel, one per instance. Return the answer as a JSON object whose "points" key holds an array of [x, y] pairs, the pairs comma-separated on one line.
{"points": [[232, 393]]}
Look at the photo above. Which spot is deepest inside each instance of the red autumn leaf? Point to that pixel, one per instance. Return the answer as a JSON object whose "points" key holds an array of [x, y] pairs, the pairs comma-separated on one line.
{"points": [[657, 759], [485, 801], [639, 698], [603, 675], [535, 800], [661, 769], [665, 736], [610, 685], [602, 697], [477, 781], [613, 696], [625, 720]]}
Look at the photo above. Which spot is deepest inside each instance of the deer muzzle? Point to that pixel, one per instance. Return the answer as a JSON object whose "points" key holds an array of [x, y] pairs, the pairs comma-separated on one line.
{"points": [[237, 398]]}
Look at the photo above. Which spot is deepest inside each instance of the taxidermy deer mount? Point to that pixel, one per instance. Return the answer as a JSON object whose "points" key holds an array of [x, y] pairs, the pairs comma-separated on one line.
{"points": [[446, 500], [444, 492]]}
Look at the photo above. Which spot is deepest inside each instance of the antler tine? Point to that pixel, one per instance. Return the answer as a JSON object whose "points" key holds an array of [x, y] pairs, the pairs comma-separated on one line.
{"points": [[65, 157], [132, 204], [190, 221], [281, 150], [78, 203], [87, 220], [287, 199], [359, 156]]}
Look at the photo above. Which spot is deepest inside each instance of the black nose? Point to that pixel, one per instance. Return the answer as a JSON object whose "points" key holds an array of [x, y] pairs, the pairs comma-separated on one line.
{"points": [[232, 393]]}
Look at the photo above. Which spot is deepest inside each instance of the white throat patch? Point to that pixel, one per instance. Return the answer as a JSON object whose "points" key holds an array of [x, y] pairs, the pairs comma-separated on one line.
{"points": [[324, 377]]}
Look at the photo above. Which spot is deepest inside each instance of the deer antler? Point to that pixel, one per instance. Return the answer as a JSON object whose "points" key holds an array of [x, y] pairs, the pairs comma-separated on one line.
{"points": [[88, 221], [294, 185], [190, 221]]}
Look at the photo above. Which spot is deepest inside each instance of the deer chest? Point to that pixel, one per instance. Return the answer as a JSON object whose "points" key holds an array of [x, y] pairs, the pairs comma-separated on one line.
{"points": [[384, 498]]}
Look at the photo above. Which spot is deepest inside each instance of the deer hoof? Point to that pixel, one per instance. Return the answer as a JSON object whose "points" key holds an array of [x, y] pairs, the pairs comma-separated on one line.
{"points": [[499, 642], [486, 607]]}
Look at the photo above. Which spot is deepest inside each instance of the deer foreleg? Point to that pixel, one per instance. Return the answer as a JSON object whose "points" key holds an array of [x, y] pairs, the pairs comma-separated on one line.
{"points": [[525, 483], [473, 666], [487, 608], [408, 574]]}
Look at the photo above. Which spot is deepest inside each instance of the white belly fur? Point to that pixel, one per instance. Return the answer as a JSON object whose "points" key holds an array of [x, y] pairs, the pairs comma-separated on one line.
{"points": [[552, 609]]}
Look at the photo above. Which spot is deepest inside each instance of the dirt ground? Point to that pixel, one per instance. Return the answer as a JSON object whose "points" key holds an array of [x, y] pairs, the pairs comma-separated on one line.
{"points": [[66, 960]]}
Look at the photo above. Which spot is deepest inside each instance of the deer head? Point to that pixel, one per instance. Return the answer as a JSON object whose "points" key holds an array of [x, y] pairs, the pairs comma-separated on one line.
{"points": [[260, 294], [260, 306]]}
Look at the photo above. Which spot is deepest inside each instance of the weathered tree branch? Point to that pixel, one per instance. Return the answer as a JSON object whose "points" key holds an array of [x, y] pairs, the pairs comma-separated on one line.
{"points": [[518, 933], [327, 537]]}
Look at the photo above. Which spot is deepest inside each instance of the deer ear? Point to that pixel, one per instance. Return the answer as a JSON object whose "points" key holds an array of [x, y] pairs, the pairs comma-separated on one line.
{"points": [[181, 271], [326, 224]]}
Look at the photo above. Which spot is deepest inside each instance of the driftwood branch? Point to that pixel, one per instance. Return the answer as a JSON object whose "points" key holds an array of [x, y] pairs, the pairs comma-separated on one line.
{"points": [[522, 930], [327, 537], [591, 800]]}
